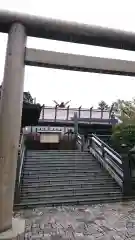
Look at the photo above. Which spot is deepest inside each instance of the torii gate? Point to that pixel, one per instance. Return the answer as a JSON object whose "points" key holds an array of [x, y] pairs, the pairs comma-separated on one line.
{"points": [[18, 27]]}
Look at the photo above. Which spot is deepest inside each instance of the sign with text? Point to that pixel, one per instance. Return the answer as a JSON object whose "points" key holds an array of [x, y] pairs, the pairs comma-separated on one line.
{"points": [[53, 129]]}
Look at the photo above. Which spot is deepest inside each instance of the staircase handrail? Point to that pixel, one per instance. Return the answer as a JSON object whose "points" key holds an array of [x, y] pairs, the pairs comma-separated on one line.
{"points": [[109, 159], [21, 153], [106, 145]]}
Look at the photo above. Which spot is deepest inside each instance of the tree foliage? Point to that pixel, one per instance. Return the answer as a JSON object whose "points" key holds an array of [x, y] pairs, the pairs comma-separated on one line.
{"points": [[103, 105], [124, 133], [27, 97]]}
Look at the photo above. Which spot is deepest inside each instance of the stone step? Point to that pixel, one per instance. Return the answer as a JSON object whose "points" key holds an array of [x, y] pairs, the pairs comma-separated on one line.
{"points": [[57, 170], [74, 189], [53, 194], [63, 163], [71, 201], [61, 159], [69, 185], [58, 155], [50, 178], [69, 196], [68, 182], [61, 167], [31, 172], [55, 152], [40, 175], [66, 158], [72, 194]]}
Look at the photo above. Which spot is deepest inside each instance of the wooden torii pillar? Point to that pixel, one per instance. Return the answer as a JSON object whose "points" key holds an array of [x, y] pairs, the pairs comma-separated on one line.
{"points": [[10, 122]]}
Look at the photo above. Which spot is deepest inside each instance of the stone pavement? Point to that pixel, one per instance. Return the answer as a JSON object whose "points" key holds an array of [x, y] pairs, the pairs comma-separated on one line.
{"points": [[98, 222]]}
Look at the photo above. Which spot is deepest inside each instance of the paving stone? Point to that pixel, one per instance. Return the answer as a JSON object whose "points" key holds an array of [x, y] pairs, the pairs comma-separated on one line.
{"points": [[115, 221]]}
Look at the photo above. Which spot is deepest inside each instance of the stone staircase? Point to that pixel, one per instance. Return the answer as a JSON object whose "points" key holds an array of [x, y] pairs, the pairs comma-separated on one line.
{"points": [[65, 177]]}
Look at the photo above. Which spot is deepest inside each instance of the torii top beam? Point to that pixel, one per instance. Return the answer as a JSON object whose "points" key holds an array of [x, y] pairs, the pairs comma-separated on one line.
{"points": [[68, 31]]}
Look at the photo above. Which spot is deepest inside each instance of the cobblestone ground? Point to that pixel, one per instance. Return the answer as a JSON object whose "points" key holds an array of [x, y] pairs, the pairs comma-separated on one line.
{"points": [[98, 222]]}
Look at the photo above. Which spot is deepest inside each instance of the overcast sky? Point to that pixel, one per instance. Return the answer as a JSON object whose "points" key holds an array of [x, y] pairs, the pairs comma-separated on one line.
{"points": [[51, 84]]}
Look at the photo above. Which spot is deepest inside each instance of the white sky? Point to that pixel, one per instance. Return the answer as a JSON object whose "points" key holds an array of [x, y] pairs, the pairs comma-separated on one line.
{"points": [[51, 84]]}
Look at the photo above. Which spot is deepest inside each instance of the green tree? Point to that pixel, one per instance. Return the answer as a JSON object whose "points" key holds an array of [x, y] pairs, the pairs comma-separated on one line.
{"points": [[117, 105], [126, 110], [27, 97], [124, 133], [103, 105]]}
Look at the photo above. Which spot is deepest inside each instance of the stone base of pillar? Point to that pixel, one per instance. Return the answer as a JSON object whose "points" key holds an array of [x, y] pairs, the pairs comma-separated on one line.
{"points": [[17, 232]]}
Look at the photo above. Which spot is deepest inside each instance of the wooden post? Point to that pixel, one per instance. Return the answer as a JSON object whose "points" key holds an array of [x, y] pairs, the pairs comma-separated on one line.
{"points": [[127, 188], [43, 112], [79, 111], [56, 113], [75, 123], [91, 112], [67, 112]]}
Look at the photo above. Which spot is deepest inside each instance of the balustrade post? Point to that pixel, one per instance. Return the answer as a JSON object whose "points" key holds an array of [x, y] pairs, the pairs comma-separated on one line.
{"points": [[67, 112], [89, 143], [91, 112], [75, 126], [102, 111], [127, 186], [43, 112], [82, 143], [131, 156], [75, 123], [103, 151], [55, 113], [79, 112]]}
